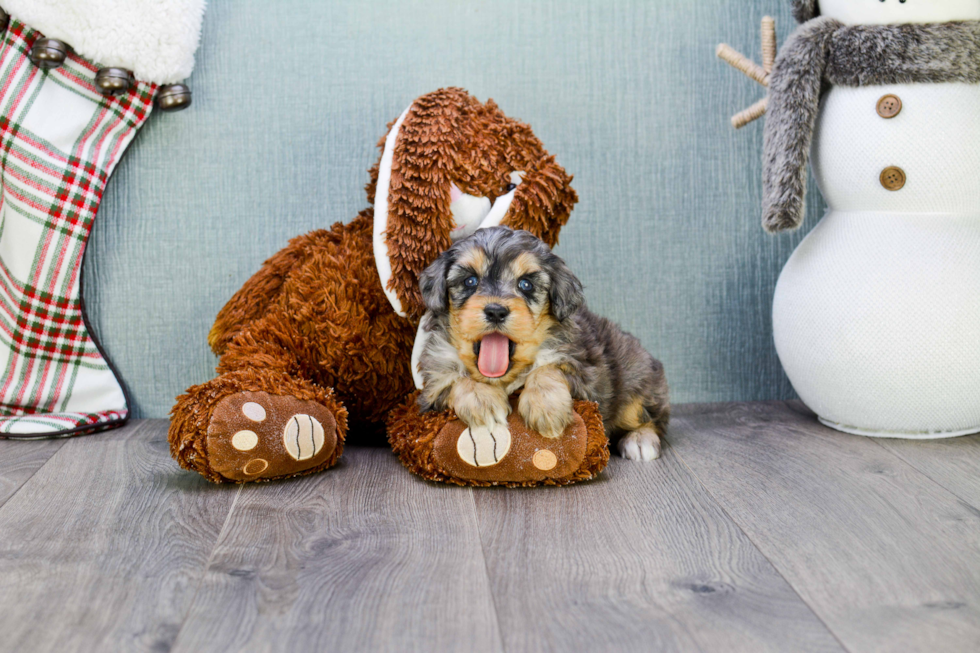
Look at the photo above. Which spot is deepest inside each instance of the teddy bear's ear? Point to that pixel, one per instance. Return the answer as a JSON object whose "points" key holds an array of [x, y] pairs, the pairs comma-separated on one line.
{"points": [[543, 201], [413, 219]]}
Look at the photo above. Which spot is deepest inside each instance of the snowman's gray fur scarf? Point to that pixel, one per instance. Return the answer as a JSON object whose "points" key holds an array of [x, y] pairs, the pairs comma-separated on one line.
{"points": [[824, 51]]}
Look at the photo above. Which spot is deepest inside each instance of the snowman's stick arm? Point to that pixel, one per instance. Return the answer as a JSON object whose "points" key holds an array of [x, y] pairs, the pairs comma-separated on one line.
{"points": [[753, 113], [752, 70], [743, 64], [768, 43]]}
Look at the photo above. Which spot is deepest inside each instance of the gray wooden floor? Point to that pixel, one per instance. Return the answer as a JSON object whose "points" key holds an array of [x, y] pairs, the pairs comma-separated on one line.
{"points": [[759, 530]]}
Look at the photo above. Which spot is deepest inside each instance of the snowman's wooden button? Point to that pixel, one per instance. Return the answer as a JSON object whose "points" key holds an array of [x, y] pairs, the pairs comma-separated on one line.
{"points": [[889, 106], [893, 178]]}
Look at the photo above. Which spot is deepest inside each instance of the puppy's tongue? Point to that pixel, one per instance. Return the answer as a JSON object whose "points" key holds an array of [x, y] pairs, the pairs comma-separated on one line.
{"points": [[494, 355]]}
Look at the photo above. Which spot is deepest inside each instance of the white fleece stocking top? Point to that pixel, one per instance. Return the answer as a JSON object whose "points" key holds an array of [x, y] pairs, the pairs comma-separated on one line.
{"points": [[156, 39]]}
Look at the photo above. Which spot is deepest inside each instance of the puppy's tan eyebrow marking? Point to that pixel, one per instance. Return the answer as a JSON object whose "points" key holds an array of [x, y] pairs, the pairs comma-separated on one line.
{"points": [[525, 263], [475, 259]]}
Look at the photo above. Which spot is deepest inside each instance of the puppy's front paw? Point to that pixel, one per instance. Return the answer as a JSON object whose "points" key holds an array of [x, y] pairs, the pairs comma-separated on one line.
{"points": [[642, 444], [479, 404], [548, 419], [546, 404]]}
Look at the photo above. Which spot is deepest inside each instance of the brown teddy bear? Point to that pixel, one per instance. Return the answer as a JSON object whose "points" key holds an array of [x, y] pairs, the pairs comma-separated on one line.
{"points": [[320, 338]]}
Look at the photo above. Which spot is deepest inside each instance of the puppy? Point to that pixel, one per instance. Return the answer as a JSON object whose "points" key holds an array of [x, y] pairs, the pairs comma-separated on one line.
{"points": [[506, 313]]}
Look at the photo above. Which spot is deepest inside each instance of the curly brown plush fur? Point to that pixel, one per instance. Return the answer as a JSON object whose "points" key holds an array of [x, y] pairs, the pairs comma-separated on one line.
{"points": [[315, 316]]}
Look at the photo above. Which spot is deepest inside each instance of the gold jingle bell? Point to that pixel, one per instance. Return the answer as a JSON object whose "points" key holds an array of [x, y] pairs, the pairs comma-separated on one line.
{"points": [[49, 53], [174, 97], [113, 81]]}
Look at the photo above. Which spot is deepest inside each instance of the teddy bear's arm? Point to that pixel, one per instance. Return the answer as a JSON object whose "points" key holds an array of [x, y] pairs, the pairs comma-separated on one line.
{"points": [[252, 299]]}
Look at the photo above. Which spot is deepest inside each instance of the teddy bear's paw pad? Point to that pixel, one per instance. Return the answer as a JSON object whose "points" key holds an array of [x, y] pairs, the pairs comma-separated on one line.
{"points": [[482, 446], [303, 437], [256, 435]]}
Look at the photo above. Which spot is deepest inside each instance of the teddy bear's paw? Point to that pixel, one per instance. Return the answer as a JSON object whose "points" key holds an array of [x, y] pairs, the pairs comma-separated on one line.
{"points": [[257, 436]]}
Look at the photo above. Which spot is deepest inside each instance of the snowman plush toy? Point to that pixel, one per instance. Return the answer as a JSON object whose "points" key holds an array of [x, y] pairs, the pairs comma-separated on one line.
{"points": [[876, 315]]}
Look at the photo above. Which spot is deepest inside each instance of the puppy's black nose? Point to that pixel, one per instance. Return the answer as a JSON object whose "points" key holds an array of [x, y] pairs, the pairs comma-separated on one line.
{"points": [[496, 313]]}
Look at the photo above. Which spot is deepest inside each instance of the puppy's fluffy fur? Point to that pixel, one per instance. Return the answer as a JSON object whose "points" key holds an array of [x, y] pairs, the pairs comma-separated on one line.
{"points": [[509, 282]]}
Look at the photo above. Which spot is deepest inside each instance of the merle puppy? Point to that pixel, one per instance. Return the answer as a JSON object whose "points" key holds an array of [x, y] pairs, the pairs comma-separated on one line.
{"points": [[506, 313]]}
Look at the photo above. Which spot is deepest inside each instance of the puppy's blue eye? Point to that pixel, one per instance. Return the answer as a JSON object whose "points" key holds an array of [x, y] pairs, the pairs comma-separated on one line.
{"points": [[525, 285], [471, 282]]}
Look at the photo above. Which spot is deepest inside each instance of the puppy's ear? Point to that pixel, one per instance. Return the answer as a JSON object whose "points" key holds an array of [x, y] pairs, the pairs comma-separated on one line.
{"points": [[432, 283], [566, 295]]}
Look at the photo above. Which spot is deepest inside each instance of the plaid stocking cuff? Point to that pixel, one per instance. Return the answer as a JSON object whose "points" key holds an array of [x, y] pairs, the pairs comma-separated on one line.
{"points": [[60, 140]]}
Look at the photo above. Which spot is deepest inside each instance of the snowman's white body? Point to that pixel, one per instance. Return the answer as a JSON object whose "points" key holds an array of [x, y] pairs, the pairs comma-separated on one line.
{"points": [[876, 315]]}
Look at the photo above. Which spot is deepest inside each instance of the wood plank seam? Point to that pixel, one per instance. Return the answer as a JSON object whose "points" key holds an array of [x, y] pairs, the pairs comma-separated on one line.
{"points": [[675, 576], [101, 548], [762, 552], [924, 474], [207, 565], [486, 569], [28, 479], [339, 552], [888, 557]]}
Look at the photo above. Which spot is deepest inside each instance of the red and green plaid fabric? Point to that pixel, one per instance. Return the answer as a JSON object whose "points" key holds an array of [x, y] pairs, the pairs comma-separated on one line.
{"points": [[60, 139]]}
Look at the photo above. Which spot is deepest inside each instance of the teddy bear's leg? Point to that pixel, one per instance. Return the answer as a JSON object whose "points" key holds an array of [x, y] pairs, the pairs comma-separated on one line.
{"points": [[257, 423], [252, 300]]}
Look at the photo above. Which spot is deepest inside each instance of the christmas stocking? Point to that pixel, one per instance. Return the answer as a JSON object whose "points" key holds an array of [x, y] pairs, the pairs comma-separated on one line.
{"points": [[64, 124]]}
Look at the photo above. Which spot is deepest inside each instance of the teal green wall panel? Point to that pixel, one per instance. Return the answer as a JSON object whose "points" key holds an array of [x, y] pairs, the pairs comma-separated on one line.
{"points": [[290, 99]]}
